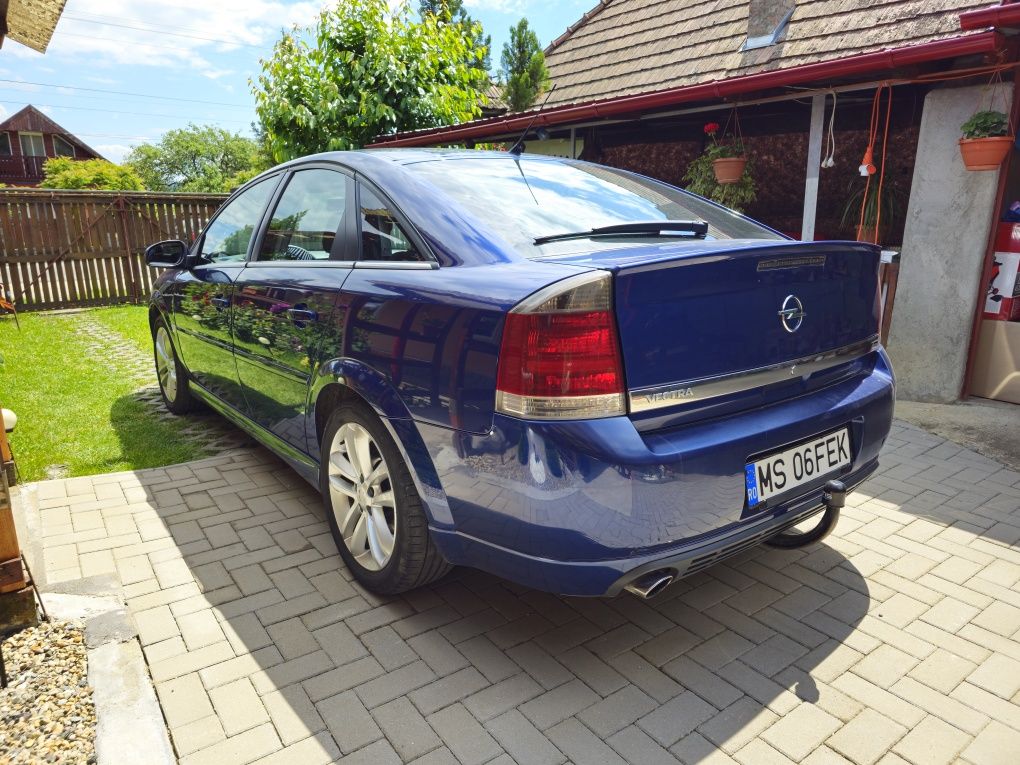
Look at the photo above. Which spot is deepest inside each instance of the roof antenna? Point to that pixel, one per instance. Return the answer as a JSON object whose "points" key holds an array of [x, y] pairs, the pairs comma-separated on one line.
{"points": [[518, 147]]}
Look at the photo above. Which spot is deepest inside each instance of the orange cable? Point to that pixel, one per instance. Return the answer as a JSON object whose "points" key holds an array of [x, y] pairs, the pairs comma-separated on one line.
{"points": [[869, 153], [881, 176]]}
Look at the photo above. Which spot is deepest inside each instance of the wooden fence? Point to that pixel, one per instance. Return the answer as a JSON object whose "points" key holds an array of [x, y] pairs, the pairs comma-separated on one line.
{"points": [[66, 249], [888, 277]]}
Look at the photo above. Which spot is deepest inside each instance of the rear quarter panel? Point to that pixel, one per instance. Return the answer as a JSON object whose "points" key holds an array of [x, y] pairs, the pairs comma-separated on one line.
{"points": [[433, 335]]}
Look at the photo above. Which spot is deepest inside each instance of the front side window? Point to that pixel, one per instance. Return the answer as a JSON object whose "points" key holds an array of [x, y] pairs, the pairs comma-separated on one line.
{"points": [[32, 145], [228, 236], [62, 147], [5, 144], [524, 199], [307, 219], [382, 238]]}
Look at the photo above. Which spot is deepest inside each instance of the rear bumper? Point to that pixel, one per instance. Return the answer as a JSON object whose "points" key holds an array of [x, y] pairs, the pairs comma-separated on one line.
{"points": [[581, 508], [609, 577]]}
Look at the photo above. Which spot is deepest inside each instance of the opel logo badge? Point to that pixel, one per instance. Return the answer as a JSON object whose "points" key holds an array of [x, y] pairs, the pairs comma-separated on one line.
{"points": [[792, 313]]}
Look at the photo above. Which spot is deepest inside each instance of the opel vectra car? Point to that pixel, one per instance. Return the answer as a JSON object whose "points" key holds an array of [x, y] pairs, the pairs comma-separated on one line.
{"points": [[571, 376]]}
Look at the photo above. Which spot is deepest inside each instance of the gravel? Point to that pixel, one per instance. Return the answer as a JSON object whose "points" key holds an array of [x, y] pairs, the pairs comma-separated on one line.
{"points": [[46, 712]]}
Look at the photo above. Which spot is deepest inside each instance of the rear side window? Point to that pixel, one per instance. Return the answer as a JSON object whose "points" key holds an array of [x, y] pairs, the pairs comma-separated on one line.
{"points": [[523, 199], [227, 238], [306, 222], [382, 237]]}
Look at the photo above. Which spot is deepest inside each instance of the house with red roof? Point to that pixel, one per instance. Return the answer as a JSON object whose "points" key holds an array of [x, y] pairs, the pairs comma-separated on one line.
{"points": [[27, 139]]}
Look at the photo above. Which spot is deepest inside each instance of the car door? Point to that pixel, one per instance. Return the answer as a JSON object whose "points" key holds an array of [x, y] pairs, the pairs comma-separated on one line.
{"points": [[401, 323], [203, 294], [285, 298]]}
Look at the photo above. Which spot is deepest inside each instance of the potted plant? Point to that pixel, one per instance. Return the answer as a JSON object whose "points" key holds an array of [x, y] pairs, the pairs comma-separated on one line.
{"points": [[986, 140], [728, 158], [890, 207], [722, 173]]}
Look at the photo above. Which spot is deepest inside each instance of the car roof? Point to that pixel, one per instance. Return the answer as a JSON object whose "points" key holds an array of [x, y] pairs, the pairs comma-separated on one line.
{"points": [[368, 158]]}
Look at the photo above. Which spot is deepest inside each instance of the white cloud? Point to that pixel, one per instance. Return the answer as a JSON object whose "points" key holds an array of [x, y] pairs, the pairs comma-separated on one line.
{"points": [[215, 74], [500, 6], [115, 152], [96, 29], [20, 86], [3, 112]]}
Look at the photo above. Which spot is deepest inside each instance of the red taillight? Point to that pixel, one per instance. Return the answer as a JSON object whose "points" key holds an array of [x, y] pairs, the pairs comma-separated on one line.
{"points": [[560, 355]]}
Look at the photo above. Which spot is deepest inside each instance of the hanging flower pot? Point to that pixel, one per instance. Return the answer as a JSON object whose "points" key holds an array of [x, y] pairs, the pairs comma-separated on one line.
{"points": [[729, 169], [987, 138], [985, 153], [723, 171]]}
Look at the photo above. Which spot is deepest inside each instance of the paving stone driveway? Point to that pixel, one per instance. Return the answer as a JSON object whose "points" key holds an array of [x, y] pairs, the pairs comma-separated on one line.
{"points": [[896, 640]]}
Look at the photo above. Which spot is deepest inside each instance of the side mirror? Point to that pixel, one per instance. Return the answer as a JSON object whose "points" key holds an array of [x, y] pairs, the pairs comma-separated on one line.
{"points": [[169, 254]]}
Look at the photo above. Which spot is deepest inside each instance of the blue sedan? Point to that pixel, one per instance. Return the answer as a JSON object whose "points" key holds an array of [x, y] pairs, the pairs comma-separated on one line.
{"points": [[565, 374]]}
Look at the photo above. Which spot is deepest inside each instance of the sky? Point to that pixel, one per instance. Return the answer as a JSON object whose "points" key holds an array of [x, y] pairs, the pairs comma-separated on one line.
{"points": [[120, 73]]}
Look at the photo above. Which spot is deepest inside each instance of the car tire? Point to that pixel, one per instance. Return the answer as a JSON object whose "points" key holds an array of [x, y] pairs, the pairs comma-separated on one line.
{"points": [[374, 510], [791, 540], [173, 381]]}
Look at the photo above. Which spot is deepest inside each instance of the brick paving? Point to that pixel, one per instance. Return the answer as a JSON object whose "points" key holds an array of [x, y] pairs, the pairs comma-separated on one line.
{"points": [[207, 430], [898, 640]]}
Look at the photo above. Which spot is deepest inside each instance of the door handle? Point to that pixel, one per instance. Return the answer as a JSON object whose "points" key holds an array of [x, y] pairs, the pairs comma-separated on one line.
{"points": [[302, 314], [220, 302]]}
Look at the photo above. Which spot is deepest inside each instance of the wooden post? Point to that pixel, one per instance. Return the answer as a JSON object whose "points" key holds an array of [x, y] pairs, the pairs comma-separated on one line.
{"points": [[5, 446], [17, 601], [12, 574], [131, 268]]}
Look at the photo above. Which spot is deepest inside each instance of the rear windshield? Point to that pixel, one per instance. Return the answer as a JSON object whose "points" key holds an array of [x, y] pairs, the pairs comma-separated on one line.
{"points": [[523, 199]]}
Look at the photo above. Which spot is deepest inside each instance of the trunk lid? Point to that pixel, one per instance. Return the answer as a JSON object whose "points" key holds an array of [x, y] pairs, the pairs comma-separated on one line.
{"points": [[693, 310]]}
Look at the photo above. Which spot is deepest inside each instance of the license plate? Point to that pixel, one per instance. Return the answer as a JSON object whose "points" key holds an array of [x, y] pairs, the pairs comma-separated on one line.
{"points": [[778, 473]]}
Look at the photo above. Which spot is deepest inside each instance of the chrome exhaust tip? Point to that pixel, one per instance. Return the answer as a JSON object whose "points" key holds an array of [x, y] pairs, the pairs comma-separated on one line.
{"points": [[651, 584]]}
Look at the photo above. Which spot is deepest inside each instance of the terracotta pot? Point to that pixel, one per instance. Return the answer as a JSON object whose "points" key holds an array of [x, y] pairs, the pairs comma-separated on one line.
{"points": [[985, 153], [729, 169]]}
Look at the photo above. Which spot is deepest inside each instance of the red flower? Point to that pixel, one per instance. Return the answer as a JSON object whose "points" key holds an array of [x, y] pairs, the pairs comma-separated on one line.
{"points": [[712, 128]]}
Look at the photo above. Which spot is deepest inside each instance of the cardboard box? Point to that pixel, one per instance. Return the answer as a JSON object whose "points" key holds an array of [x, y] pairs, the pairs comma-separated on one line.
{"points": [[1002, 299], [996, 371]]}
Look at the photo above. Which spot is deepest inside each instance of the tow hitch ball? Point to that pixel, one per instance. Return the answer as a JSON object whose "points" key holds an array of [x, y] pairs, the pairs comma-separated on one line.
{"points": [[834, 499], [834, 495]]}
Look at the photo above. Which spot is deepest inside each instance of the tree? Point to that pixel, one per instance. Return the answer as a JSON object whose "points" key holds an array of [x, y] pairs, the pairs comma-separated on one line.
{"points": [[523, 71], [453, 11], [197, 158], [366, 71], [67, 173]]}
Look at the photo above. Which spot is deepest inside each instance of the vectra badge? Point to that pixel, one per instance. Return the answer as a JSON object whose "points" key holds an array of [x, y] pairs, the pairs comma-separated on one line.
{"points": [[792, 313]]}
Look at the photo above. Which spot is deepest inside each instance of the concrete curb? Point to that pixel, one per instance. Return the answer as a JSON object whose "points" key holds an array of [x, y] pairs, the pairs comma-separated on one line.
{"points": [[130, 728]]}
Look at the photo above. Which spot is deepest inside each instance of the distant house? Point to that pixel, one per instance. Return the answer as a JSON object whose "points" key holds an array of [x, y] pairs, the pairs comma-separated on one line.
{"points": [[494, 105], [28, 139]]}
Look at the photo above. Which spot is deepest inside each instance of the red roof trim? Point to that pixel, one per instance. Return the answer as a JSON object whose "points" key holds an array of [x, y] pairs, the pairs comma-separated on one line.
{"points": [[995, 16], [860, 64]]}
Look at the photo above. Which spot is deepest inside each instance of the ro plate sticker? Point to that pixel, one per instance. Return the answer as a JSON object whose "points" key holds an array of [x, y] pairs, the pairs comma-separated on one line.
{"points": [[752, 485]]}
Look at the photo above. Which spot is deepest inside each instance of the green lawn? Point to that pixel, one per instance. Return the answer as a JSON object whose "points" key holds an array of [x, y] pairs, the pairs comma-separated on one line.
{"points": [[76, 409], [132, 321]]}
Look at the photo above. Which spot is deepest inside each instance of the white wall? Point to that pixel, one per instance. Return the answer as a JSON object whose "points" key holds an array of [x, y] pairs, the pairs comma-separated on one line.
{"points": [[949, 219]]}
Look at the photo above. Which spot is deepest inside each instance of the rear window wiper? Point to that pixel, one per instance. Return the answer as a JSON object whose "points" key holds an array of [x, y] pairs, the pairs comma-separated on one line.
{"points": [[697, 228]]}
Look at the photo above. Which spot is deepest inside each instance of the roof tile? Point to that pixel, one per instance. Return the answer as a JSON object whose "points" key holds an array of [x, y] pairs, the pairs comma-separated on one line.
{"points": [[626, 47]]}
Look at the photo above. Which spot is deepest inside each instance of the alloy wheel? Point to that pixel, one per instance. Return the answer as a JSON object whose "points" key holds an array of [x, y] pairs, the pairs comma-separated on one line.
{"points": [[166, 366], [361, 495]]}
